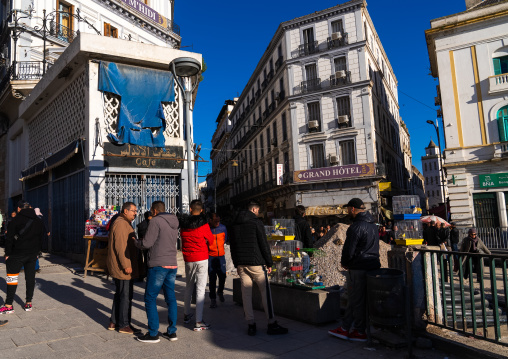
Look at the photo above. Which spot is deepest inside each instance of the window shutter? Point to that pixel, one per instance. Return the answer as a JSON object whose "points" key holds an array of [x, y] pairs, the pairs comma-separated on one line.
{"points": [[497, 66], [107, 29], [502, 125]]}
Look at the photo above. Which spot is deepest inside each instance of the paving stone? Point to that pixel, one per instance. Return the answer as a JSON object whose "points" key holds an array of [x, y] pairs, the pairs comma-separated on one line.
{"points": [[29, 351]]}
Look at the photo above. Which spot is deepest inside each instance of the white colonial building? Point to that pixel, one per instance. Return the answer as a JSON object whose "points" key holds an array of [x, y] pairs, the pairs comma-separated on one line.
{"points": [[318, 121], [431, 165], [69, 146], [468, 52]]}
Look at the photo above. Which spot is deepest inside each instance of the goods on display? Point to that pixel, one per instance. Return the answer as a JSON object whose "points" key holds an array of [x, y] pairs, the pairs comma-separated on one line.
{"points": [[408, 227], [281, 230], [96, 225], [406, 205]]}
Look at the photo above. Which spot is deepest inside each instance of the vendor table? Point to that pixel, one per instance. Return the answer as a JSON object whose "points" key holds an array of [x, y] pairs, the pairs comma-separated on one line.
{"points": [[88, 261]]}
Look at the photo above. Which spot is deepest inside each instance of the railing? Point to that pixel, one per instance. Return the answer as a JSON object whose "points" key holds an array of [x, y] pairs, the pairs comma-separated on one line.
{"points": [[62, 32], [174, 27], [340, 81], [498, 83], [28, 70], [279, 62], [494, 238], [472, 309], [317, 84], [308, 48], [310, 85], [337, 41]]}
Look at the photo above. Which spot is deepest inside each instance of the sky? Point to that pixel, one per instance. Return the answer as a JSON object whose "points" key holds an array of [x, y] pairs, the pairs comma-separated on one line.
{"points": [[233, 35]]}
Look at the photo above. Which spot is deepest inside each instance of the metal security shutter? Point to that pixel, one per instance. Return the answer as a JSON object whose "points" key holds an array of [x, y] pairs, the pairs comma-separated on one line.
{"points": [[485, 210]]}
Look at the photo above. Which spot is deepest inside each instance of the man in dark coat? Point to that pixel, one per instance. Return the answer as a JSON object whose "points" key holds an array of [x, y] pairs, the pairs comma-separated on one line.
{"points": [[433, 234], [252, 257], [360, 254], [303, 231], [22, 245]]}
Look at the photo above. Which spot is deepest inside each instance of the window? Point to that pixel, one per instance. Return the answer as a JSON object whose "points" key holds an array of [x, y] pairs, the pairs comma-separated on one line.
{"points": [[261, 144], [437, 181], [270, 171], [435, 165], [279, 50], [281, 84], [284, 128], [347, 152], [286, 162], [250, 154], [343, 109], [500, 65], [340, 63], [317, 156], [263, 175], [110, 31], [502, 123], [269, 148], [64, 21], [425, 166], [256, 150], [337, 26], [314, 116], [257, 178], [310, 72], [275, 139], [432, 193], [431, 180], [308, 36]]}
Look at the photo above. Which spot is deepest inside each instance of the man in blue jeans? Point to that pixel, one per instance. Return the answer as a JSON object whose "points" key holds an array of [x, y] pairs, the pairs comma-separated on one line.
{"points": [[161, 240]]}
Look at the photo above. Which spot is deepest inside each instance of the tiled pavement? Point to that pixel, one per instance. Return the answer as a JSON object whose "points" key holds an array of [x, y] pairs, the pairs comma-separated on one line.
{"points": [[70, 314]]}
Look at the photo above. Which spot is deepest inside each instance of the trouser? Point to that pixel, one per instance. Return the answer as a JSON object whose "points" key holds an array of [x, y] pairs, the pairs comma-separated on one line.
{"points": [[158, 278], [259, 275], [13, 266], [122, 302], [355, 315], [195, 273], [216, 269], [476, 268]]}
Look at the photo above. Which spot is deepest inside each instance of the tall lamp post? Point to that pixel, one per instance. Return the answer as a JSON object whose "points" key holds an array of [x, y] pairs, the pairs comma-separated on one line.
{"points": [[441, 169], [186, 68]]}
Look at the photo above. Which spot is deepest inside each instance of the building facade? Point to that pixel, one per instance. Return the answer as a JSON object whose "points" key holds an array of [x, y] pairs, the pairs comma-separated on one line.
{"points": [[318, 121], [431, 165], [468, 52]]}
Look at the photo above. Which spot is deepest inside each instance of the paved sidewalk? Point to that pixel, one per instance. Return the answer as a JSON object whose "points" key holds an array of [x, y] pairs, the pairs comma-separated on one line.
{"points": [[70, 314]]}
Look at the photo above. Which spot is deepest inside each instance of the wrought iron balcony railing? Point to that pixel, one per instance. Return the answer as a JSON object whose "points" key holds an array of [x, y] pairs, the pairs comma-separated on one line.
{"points": [[340, 78], [308, 48], [338, 39], [28, 70], [62, 32], [279, 62], [310, 85]]}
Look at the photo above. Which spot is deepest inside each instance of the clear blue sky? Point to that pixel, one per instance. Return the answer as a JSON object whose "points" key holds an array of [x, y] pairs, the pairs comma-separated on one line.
{"points": [[233, 35]]}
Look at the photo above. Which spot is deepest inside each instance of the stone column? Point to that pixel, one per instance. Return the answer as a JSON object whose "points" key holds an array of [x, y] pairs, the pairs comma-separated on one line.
{"points": [[501, 207]]}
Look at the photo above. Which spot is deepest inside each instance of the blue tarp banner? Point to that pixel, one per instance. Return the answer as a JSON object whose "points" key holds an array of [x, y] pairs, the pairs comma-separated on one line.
{"points": [[141, 117]]}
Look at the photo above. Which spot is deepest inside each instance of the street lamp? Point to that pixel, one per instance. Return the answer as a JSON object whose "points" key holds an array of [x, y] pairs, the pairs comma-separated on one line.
{"points": [[186, 68], [436, 126]]}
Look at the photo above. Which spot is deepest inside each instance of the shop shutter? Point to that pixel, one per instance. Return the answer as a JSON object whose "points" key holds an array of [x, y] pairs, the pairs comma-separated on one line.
{"points": [[502, 124], [497, 66]]}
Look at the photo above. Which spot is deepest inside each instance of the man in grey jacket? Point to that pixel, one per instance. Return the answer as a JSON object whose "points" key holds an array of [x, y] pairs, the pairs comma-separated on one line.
{"points": [[161, 239]]}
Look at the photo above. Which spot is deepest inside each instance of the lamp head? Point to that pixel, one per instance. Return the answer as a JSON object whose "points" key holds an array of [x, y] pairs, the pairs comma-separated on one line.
{"points": [[430, 122], [185, 66]]}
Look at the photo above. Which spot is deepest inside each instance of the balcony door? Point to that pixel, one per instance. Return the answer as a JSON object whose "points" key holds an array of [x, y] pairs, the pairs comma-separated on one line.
{"points": [[308, 37], [64, 21]]}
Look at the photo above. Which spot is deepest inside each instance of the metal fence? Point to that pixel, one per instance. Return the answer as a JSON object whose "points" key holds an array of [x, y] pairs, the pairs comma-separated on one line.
{"points": [[471, 300], [494, 238]]}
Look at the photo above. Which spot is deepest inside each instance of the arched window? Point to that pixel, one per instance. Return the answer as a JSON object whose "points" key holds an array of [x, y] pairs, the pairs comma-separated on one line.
{"points": [[500, 65], [502, 123]]}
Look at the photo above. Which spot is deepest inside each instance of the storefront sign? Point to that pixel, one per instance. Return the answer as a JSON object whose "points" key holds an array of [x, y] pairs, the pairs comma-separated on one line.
{"points": [[143, 157], [145, 10], [494, 180], [336, 172], [280, 173]]}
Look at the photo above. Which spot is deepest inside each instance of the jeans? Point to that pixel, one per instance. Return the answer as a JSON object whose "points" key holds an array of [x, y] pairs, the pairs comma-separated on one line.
{"points": [[196, 273], [122, 302], [13, 265], [216, 268], [158, 278], [356, 311]]}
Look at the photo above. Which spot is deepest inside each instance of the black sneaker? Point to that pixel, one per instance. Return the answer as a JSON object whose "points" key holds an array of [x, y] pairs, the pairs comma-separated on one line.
{"points": [[275, 328], [252, 330], [187, 318], [213, 303], [171, 337], [221, 297], [147, 338]]}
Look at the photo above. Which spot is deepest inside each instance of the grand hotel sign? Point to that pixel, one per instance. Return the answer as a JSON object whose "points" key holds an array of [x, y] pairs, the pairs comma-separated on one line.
{"points": [[334, 173], [147, 11]]}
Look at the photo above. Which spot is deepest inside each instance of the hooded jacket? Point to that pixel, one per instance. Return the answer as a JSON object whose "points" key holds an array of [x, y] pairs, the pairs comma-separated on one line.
{"points": [[361, 248], [30, 242], [303, 232], [122, 251], [161, 239], [249, 245], [220, 237], [195, 233]]}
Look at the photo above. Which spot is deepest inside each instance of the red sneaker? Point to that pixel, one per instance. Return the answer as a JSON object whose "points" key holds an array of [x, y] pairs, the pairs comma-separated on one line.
{"points": [[355, 336], [339, 333]]}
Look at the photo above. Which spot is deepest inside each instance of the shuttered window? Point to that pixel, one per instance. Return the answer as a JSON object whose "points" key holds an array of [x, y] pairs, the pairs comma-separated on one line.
{"points": [[311, 72], [317, 156], [340, 63], [347, 152], [337, 26], [284, 128], [500, 65], [308, 36], [502, 123], [343, 108]]}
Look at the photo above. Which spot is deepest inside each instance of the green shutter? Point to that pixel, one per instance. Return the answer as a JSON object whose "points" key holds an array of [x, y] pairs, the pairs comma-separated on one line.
{"points": [[502, 125], [497, 66]]}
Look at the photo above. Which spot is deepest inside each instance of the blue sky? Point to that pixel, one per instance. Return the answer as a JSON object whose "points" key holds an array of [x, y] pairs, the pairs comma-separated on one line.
{"points": [[233, 35]]}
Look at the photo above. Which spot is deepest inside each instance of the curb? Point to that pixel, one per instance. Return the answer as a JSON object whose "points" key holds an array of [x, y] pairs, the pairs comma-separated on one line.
{"points": [[459, 349]]}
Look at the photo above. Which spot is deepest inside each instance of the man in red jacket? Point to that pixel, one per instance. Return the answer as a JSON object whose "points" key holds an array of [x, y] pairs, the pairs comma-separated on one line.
{"points": [[195, 233]]}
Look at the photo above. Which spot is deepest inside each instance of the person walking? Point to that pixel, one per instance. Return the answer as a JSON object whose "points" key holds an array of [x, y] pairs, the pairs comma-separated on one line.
{"points": [[473, 244], [454, 237], [252, 258], [433, 235], [359, 255], [22, 246], [123, 266], [444, 235], [216, 259], [195, 233], [303, 232], [160, 240]]}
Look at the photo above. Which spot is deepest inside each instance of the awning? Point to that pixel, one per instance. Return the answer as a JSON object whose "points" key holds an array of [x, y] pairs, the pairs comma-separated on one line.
{"points": [[323, 211], [52, 161]]}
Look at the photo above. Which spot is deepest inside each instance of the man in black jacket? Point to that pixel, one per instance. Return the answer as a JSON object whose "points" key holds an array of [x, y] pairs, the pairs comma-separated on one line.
{"points": [[22, 245], [252, 257], [360, 254], [303, 232]]}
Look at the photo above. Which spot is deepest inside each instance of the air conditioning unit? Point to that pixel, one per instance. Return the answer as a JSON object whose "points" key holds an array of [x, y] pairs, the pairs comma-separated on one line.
{"points": [[343, 119], [333, 160], [313, 124], [340, 74], [336, 36]]}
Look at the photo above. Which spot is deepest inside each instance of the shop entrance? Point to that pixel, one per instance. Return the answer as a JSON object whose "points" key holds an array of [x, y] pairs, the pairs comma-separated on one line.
{"points": [[485, 210]]}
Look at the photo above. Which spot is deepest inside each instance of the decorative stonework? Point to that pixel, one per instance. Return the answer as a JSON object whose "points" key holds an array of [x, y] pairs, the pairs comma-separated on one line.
{"points": [[59, 123]]}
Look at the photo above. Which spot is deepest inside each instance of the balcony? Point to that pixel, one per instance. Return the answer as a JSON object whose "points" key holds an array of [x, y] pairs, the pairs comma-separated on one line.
{"points": [[279, 62], [308, 48], [264, 84], [310, 85], [281, 96], [269, 76], [62, 32], [258, 94], [340, 78], [271, 107], [337, 39], [498, 84], [174, 27]]}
